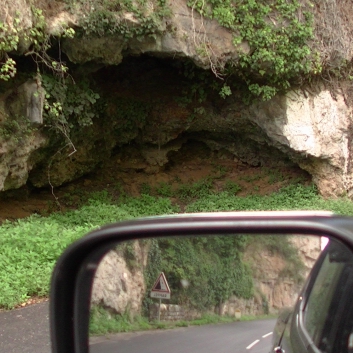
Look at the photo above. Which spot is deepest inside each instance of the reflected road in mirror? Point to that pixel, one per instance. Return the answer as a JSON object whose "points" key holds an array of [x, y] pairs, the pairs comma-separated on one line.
{"points": [[250, 336]]}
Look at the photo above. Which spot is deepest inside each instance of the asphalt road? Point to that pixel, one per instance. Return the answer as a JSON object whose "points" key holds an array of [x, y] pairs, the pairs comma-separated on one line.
{"points": [[251, 336], [25, 330]]}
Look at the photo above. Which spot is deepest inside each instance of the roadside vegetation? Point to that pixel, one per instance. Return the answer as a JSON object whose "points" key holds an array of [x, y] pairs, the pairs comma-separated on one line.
{"points": [[103, 323], [31, 246]]}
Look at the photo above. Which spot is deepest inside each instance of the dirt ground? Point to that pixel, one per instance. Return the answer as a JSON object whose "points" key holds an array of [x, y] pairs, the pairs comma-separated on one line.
{"points": [[251, 180]]}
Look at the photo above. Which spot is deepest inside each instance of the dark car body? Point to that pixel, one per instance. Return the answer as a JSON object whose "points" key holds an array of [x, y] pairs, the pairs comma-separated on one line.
{"points": [[322, 318]]}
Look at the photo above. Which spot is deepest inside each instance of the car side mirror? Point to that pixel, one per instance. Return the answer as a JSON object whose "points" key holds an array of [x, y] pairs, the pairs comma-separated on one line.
{"points": [[225, 236]]}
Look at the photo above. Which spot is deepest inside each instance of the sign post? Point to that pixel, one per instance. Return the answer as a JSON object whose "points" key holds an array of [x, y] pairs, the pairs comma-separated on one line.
{"points": [[161, 291]]}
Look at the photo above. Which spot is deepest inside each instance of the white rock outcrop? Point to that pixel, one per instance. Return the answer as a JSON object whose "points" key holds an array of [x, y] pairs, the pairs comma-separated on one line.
{"points": [[276, 287], [119, 287], [316, 131]]}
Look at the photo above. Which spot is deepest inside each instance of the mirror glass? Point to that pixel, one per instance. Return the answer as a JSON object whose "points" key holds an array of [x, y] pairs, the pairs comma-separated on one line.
{"points": [[198, 294]]}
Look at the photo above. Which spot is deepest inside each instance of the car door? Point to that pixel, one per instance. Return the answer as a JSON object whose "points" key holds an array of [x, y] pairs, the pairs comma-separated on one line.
{"points": [[320, 322]]}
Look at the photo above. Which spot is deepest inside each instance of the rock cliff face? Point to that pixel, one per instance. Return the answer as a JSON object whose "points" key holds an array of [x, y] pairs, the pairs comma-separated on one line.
{"points": [[279, 287], [119, 287], [156, 73]]}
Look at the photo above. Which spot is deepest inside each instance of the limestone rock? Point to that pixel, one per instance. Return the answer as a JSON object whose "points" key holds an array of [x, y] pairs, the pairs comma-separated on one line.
{"points": [[16, 163], [19, 139], [315, 130], [189, 33], [118, 287], [280, 291], [309, 127], [309, 249]]}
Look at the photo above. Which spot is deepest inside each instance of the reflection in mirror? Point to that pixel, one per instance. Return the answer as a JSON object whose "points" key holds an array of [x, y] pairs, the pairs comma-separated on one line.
{"points": [[215, 279]]}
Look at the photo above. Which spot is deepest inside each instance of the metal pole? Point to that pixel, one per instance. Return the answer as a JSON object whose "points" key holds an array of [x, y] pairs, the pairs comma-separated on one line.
{"points": [[159, 310]]}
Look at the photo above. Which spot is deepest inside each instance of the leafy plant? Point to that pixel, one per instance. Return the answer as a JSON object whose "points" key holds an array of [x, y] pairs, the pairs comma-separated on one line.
{"points": [[16, 128], [212, 266], [9, 39], [39, 39], [104, 18], [164, 189], [225, 91], [145, 189], [130, 115], [279, 50], [103, 322], [195, 190], [68, 105], [8, 69], [232, 187]]}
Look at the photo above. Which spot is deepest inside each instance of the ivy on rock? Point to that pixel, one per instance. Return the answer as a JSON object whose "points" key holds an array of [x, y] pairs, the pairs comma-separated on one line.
{"points": [[277, 33]]}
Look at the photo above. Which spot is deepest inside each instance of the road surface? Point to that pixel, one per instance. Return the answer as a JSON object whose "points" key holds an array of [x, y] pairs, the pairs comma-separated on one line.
{"points": [[245, 337], [25, 330]]}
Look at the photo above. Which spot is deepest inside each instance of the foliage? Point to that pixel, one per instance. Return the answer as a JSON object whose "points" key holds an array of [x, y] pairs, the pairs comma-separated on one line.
{"points": [[198, 85], [145, 189], [30, 247], [68, 105], [151, 272], [27, 257], [147, 205], [211, 267], [37, 34], [305, 197], [225, 91], [10, 35], [214, 319], [130, 115], [274, 175], [232, 187], [195, 190], [198, 80], [277, 33], [102, 322], [15, 129], [265, 304], [282, 246], [104, 18], [164, 189], [58, 107], [9, 39], [8, 69]]}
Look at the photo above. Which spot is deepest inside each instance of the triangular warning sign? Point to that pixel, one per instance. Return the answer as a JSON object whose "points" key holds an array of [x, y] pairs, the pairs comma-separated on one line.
{"points": [[161, 285]]}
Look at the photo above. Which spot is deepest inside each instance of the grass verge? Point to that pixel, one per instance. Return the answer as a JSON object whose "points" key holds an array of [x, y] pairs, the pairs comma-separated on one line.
{"points": [[103, 323], [31, 246]]}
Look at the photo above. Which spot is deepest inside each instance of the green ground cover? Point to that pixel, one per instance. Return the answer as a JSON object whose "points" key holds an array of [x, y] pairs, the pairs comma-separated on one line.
{"points": [[31, 246], [103, 323]]}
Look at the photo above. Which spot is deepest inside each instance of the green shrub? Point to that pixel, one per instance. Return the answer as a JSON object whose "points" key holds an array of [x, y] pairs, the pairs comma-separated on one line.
{"points": [[211, 266], [31, 246], [103, 322], [195, 190]]}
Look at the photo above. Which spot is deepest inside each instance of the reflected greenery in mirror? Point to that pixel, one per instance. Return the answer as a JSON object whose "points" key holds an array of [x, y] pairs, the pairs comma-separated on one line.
{"points": [[211, 265]]}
